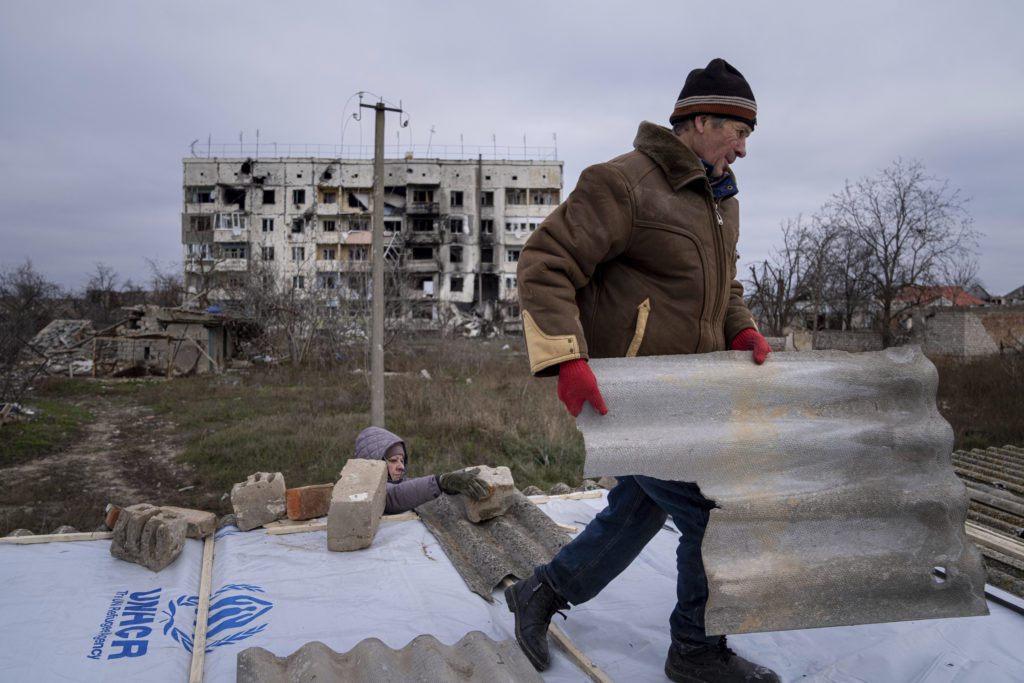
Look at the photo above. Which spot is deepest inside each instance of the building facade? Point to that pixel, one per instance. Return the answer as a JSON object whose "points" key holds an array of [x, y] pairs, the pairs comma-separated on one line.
{"points": [[453, 229]]}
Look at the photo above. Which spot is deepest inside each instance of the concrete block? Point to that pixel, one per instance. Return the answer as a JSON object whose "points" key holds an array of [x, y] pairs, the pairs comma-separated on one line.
{"points": [[200, 523], [148, 535], [64, 529], [502, 489], [357, 502], [308, 502], [258, 500], [559, 489]]}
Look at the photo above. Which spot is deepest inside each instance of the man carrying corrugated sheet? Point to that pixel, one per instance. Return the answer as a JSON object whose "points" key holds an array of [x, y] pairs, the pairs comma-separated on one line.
{"points": [[641, 260]]}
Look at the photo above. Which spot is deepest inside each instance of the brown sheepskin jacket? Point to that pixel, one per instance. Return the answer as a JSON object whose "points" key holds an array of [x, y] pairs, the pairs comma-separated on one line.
{"points": [[639, 260]]}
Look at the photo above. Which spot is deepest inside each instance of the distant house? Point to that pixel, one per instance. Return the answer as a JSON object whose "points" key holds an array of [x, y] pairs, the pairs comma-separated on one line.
{"points": [[938, 296], [1014, 298]]}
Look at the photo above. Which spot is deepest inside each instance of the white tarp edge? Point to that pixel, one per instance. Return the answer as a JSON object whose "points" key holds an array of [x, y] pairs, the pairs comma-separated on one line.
{"points": [[280, 592]]}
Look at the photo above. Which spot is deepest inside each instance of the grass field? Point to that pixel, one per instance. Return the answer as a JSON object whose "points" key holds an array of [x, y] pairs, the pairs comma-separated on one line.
{"points": [[456, 402]]}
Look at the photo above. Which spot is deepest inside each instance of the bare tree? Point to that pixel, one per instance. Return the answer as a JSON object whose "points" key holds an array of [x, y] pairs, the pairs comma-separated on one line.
{"points": [[101, 294], [791, 276], [166, 287], [913, 230], [28, 302]]}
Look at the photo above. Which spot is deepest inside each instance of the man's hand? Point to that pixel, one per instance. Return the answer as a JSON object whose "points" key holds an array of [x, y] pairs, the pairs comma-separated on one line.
{"points": [[577, 385], [751, 340], [465, 482]]}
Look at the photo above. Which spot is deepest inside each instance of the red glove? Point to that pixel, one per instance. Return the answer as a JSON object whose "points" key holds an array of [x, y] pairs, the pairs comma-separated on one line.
{"points": [[751, 340], [576, 385]]}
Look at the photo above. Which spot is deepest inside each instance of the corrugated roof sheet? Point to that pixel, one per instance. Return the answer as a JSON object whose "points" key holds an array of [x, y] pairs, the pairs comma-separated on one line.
{"points": [[994, 479], [485, 553], [832, 473], [474, 659]]}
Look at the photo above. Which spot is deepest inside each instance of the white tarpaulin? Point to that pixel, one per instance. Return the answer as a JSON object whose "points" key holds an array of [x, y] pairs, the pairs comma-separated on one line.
{"points": [[280, 592]]}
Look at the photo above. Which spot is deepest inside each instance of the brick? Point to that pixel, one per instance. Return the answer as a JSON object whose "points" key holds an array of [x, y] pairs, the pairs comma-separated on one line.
{"points": [[502, 489], [200, 523], [357, 502], [308, 502], [110, 516], [258, 500], [148, 535]]}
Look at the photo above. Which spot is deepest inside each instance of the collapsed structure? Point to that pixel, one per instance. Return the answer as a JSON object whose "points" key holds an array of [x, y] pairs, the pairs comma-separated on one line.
{"points": [[453, 231]]}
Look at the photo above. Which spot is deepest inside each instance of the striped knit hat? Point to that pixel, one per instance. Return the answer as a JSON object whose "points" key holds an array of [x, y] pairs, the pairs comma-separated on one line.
{"points": [[717, 89]]}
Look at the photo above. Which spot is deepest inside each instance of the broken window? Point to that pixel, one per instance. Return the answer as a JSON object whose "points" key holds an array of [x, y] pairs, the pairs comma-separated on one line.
{"points": [[357, 253], [456, 284], [328, 253], [298, 282], [359, 200], [202, 250], [422, 225], [455, 254], [298, 253], [543, 197], [200, 223], [426, 285], [487, 255], [359, 223], [235, 195], [392, 226], [268, 225], [486, 226], [232, 221], [327, 280], [510, 282], [329, 196], [422, 253], [268, 197], [487, 198], [267, 253], [423, 195], [512, 255], [199, 195], [235, 250], [298, 196], [298, 225], [515, 196], [456, 225], [456, 198], [330, 225]]}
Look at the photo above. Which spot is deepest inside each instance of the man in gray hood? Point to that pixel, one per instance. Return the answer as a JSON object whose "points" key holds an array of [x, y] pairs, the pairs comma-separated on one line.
{"points": [[376, 443]]}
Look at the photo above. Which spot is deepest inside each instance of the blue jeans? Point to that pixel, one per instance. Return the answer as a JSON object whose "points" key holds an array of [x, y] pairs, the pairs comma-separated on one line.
{"points": [[637, 508]]}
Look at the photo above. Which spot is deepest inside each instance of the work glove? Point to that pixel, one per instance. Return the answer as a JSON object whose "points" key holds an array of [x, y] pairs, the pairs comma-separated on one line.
{"points": [[751, 340], [465, 482], [576, 385]]}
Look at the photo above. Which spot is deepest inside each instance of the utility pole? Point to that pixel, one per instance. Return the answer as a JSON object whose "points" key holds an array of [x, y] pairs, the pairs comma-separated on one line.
{"points": [[377, 274]]}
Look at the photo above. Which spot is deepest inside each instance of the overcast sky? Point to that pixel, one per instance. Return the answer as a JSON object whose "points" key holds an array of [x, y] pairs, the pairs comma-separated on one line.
{"points": [[100, 100]]}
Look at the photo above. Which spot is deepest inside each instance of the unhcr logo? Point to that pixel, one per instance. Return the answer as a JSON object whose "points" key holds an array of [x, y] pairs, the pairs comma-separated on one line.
{"points": [[235, 614], [232, 609]]}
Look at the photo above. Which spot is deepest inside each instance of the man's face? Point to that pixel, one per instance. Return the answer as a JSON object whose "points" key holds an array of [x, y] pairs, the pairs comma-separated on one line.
{"points": [[720, 146], [395, 458]]}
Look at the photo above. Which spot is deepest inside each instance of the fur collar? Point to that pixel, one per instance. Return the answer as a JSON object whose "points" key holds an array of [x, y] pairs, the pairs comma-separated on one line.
{"points": [[680, 165]]}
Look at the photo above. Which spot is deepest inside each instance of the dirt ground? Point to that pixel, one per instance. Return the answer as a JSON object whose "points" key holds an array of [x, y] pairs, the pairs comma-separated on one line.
{"points": [[126, 455]]}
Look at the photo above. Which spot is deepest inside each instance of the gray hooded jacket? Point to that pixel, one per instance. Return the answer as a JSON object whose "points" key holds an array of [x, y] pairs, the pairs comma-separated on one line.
{"points": [[404, 494]]}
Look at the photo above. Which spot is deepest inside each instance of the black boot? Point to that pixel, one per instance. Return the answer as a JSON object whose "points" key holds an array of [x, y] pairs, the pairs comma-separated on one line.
{"points": [[533, 603], [712, 663]]}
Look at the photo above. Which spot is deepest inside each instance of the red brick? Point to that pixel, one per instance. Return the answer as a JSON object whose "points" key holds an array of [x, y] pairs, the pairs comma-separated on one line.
{"points": [[308, 502]]}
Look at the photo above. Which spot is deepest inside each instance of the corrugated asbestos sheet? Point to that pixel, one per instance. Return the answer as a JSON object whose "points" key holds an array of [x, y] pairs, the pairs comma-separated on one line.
{"points": [[832, 473], [485, 553], [476, 658], [995, 484]]}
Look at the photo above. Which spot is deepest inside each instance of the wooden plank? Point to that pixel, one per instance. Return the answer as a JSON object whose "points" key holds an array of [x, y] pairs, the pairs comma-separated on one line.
{"points": [[291, 527], [202, 613], [58, 538], [576, 495], [1003, 544]]}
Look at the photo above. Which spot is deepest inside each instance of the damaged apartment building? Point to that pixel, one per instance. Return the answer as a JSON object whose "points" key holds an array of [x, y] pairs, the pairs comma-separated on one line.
{"points": [[453, 231]]}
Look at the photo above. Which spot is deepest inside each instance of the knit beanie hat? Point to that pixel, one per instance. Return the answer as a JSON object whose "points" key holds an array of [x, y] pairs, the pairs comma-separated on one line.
{"points": [[718, 89]]}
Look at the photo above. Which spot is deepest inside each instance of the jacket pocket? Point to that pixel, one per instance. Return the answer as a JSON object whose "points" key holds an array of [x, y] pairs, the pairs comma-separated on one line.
{"points": [[642, 313]]}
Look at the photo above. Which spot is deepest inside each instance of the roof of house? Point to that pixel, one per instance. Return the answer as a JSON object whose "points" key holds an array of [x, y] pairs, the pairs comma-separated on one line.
{"points": [[925, 296]]}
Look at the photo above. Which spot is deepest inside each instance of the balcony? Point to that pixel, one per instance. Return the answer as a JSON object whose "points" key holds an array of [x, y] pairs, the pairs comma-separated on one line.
{"points": [[232, 265], [231, 235], [423, 208]]}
